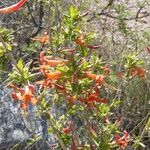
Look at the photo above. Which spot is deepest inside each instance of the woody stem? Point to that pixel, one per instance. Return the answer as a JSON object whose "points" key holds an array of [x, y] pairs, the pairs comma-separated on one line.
{"points": [[51, 122]]}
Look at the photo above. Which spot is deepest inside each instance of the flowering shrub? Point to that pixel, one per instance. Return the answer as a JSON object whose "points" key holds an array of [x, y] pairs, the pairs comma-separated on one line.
{"points": [[78, 81]]}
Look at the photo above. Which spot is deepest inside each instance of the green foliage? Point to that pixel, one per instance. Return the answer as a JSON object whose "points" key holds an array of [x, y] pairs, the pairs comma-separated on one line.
{"points": [[71, 24], [7, 34], [16, 77], [132, 60], [120, 9]]}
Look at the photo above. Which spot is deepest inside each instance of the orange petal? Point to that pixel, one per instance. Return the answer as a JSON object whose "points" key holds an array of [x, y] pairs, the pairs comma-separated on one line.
{"points": [[90, 105], [14, 96], [42, 39], [28, 90], [59, 87], [33, 100], [24, 106], [53, 62], [98, 78], [85, 100], [20, 96], [13, 8], [102, 100], [120, 74], [42, 54], [93, 98], [72, 99], [54, 75], [107, 70], [31, 88], [94, 46], [90, 75]]}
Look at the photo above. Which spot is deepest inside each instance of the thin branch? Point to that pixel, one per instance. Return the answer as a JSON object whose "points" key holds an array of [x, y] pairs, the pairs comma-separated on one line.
{"points": [[50, 27], [30, 12], [102, 13], [39, 25], [50, 120]]}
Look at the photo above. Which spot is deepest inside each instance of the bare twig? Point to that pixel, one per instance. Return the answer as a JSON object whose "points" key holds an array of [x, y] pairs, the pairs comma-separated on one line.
{"points": [[102, 13], [49, 27], [39, 25]]}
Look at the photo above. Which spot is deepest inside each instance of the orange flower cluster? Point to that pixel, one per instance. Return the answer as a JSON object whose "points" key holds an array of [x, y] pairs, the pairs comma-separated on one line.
{"points": [[98, 78], [138, 71], [81, 40], [50, 63], [122, 141], [133, 72], [42, 39], [92, 98], [69, 128], [120, 74], [13, 8], [46, 62], [26, 95]]}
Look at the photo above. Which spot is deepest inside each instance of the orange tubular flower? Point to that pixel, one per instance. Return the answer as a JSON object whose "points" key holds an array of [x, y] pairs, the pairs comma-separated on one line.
{"points": [[121, 74], [26, 95], [72, 99], [137, 71], [122, 141], [53, 75], [93, 98], [51, 62], [141, 72], [59, 87], [94, 46], [13, 8], [133, 73], [14, 96], [107, 70], [81, 40], [42, 39], [68, 129], [98, 78], [42, 54]]}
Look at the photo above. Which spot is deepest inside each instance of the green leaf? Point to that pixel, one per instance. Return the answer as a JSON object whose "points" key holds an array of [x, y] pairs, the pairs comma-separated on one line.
{"points": [[71, 10], [2, 50], [50, 130], [25, 74], [20, 64]]}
